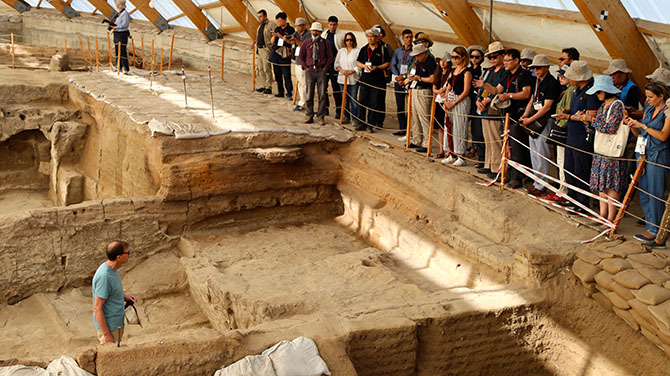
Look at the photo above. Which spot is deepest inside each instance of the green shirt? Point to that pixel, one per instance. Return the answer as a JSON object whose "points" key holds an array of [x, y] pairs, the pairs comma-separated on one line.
{"points": [[107, 285], [564, 104]]}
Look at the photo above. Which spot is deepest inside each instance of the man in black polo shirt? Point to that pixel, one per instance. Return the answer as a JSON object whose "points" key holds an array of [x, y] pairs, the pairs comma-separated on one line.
{"points": [[538, 111], [420, 80], [372, 60], [516, 85], [281, 56]]}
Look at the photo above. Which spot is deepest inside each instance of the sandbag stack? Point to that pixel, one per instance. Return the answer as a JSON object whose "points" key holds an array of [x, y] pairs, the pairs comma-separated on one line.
{"points": [[634, 283]]}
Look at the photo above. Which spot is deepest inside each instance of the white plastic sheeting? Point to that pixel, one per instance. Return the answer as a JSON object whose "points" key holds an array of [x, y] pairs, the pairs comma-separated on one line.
{"points": [[299, 357], [63, 366]]}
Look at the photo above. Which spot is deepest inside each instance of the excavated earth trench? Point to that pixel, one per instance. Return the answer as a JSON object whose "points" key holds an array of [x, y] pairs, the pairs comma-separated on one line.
{"points": [[393, 265]]}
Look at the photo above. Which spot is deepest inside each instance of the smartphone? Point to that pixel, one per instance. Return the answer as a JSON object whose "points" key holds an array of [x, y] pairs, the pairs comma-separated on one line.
{"points": [[554, 115]]}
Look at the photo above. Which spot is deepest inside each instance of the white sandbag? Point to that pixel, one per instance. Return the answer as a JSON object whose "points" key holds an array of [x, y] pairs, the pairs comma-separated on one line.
{"points": [[299, 357], [257, 365], [20, 370], [65, 366]]}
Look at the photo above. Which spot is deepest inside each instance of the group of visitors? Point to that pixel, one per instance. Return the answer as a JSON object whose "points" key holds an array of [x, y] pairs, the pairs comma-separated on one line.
{"points": [[552, 119]]}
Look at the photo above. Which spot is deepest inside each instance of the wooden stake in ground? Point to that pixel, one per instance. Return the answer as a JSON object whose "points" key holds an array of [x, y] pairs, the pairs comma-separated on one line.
{"points": [[505, 151], [144, 65], [118, 61], [409, 119], [211, 91], [344, 97], [295, 91], [183, 78], [109, 52], [133, 43], [97, 56], [83, 54], [253, 71], [171, 49], [223, 53], [90, 57], [152, 55], [432, 126], [629, 194], [151, 83], [161, 60], [66, 46], [12, 36]]}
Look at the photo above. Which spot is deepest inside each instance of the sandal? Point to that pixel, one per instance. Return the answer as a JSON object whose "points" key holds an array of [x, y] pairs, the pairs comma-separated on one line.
{"points": [[440, 155]]}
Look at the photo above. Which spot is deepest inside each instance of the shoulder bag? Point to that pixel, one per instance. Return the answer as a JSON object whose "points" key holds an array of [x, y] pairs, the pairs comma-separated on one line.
{"points": [[611, 145]]}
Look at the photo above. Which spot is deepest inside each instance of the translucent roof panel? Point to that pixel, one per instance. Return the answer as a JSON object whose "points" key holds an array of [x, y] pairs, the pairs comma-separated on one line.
{"points": [[644, 9], [167, 9]]}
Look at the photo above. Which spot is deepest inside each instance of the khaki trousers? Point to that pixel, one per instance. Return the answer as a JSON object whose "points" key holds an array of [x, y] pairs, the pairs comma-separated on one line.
{"points": [[117, 334], [420, 129], [264, 68], [302, 85], [491, 130]]}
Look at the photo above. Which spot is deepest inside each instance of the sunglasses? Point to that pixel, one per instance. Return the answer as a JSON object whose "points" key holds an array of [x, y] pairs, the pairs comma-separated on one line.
{"points": [[348, 40], [494, 56], [475, 56], [562, 58], [455, 56]]}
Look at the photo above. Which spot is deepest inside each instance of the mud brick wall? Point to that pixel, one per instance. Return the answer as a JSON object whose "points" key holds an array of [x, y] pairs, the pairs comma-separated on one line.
{"points": [[632, 282]]}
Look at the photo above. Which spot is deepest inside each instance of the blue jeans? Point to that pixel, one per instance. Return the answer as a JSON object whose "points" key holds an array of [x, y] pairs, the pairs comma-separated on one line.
{"points": [[351, 108], [400, 99], [653, 181]]}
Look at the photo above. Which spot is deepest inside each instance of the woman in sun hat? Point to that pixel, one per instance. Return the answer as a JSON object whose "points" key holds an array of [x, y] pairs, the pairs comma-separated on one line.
{"points": [[607, 174]]}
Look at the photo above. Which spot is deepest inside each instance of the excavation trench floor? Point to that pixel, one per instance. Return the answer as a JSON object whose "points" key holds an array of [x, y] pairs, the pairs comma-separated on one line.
{"points": [[48, 325], [20, 200]]}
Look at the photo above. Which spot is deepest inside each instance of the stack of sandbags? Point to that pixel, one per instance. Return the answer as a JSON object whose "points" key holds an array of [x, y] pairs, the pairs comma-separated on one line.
{"points": [[634, 283]]}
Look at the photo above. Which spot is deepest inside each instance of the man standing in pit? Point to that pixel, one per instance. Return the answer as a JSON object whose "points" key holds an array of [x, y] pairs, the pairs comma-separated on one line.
{"points": [[263, 46], [108, 298]]}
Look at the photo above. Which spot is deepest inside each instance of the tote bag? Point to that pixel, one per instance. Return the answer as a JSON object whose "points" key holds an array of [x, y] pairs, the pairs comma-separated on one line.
{"points": [[612, 145]]}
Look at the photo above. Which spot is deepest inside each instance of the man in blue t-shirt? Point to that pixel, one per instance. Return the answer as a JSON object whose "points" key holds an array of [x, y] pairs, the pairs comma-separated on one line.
{"points": [[108, 298]]}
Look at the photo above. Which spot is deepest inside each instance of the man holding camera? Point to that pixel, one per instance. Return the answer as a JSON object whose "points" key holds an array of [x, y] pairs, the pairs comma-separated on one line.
{"points": [[108, 298]]}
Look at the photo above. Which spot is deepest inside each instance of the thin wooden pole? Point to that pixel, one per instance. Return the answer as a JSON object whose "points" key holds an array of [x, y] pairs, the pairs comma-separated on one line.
{"points": [[503, 166], [151, 83], [171, 49], [432, 126], [118, 61], [97, 56], [12, 36], [65, 46], [409, 119], [211, 91], [81, 47], [133, 43], [223, 53], [109, 51], [183, 78], [161, 60], [629, 194], [152, 55], [253, 72], [144, 65], [344, 98], [88, 46], [295, 90]]}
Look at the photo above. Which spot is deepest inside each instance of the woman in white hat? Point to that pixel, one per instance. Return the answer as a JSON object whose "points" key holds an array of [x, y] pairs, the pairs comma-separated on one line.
{"points": [[607, 174], [653, 132]]}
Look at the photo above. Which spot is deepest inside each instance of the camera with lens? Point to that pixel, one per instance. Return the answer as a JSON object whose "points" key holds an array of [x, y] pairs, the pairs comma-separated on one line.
{"points": [[110, 23]]}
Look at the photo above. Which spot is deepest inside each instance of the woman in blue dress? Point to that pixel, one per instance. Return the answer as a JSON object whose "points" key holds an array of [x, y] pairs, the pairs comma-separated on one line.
{"points": [[653, 132], [607, 174]]}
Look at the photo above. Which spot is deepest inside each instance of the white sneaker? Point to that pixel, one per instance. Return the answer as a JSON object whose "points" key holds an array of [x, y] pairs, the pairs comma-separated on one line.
{"points": [[459, 162], [403, 138], [448, 160]]}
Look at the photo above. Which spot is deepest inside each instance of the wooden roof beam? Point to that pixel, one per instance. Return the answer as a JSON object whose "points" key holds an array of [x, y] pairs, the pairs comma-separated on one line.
{"points": [[103, 7], [242, 15], [151, 14], [64, 8], [367, 16], [619, 35], [293, 9], [19, 5], [463, 21], [198, 18]]}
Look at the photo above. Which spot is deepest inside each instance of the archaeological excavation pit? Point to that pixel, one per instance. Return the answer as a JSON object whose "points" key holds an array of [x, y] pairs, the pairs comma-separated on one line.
{"points": [[254, 227]]}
